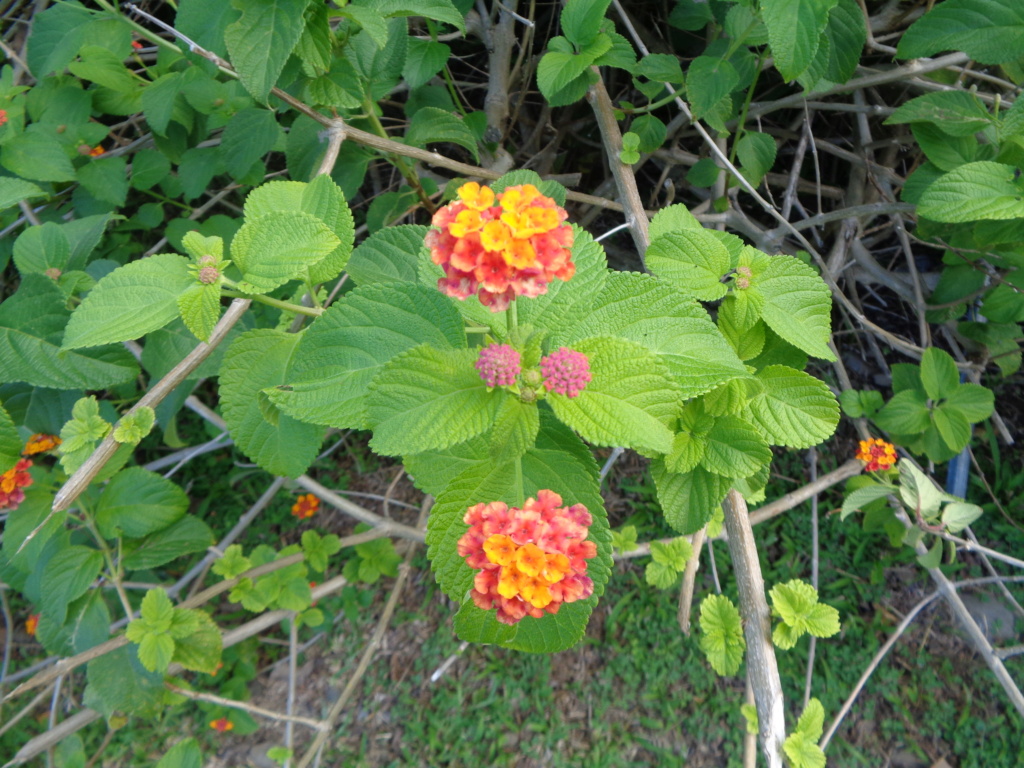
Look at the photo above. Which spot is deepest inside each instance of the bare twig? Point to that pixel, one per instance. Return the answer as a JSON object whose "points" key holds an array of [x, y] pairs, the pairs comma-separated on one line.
{"points": [[689, 579]]}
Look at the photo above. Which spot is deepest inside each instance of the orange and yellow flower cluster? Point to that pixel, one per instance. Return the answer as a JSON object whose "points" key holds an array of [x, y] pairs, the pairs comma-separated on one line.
{"points": [[877, 453], [530, 560], [500, 246], [17, 477], [305, 506]]}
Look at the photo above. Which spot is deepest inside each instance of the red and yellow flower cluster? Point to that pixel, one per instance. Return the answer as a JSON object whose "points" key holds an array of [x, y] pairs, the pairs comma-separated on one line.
{"points": [[17, 477], [529, 560], [501, 246], [877, 453], [305, 506], [221, 724]]}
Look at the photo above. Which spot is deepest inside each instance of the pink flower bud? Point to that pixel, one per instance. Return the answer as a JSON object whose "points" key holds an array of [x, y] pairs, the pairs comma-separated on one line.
{"points": [[498, 365], [208, 275], [566, 372]]}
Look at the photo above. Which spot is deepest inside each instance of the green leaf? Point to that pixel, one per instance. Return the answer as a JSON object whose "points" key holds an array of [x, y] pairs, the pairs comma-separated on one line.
{"points": [[973, 401], [317, 549], [200, 649], [344, 349], [426, 399], [794, 409], [515, 430], [939, 373], [710, 82], [689, 500], [952, 426], [989, 31], [906, 414], [135, 425], [157, 613], [106, 179], [647, 311], [796, 603], [389, 255], [258, 360], [119, 683], [581, 20], [797, 303], [794, 30], [691, 261], [13, 191], [861, 497], [661, 68], [919, 491], [958, 515], [57, 34], [37, 157], [68, 575], [944, 151], [563, 78], [32, 324], [630, 400], [674, 218], [424, 60], [660, 576], [652, 132], [674, 553], [439, 10], [801, 747], [734, 448], [973, 192], [158, 100], [624, 540], [430, 125], [756, 152], [261, 40], [232, 563], [184, 754], [279, 246], [199, 306], [249, 135], [721, 636], [846, 34], [137, 502], [10, 442], [958, 113], [131, 301]]}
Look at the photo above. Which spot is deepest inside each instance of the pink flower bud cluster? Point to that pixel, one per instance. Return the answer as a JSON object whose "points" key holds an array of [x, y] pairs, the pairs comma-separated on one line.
{"points": [[566, 371], [498, 365]]}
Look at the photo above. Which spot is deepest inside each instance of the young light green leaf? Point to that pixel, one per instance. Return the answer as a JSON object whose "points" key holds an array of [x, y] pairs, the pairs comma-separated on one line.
{"points": [[427, 398], [200, 649], [155, 652], [624, 539], [794, 408], [692, 261], [135, 425], [794, 30], [258, 360], [85, 427], [561, 77], [673, 553], [721, 636], [749, 712], [801, 747], [279, 246], [129, 302], [989, 31], [796, 603], [344, 349], [318, 549], [199, 306], [232, 563], [734, 448], [958, 515], [261, 40], [974, 192], [674, 218], [515, 430], [630, 400], [660, 575]]}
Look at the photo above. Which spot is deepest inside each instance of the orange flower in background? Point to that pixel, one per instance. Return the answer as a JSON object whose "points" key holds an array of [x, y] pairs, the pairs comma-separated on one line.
{"points": [[32, 624], [3, 116], [877, 453], [221, 724], [529, 561], [136, 45], [11, 483], [97, 151], [40, 443], [500, 246], [306, 506]]}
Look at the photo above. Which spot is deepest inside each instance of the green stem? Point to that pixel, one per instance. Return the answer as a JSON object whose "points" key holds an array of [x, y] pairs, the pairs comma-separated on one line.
{"points": [[519, 489], [512, 317], [397, 160], [112, 567], [312, 294], [297, 309], [650, 107], [478, 329], [740, 130]]}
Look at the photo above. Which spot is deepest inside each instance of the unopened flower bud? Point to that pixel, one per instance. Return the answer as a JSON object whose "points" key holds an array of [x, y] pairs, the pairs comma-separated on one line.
{"points": [[53, 273], [742, 283], [209, 275], [528, 395], [745, 271], [532, 378]]}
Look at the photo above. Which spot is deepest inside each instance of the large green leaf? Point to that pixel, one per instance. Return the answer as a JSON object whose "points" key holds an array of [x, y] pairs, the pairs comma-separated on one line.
{"points": [[906, 414], [989, 31], [249, 135], [797, 303], [630, 401], [257, 360], [188, 535], [41, 248], [973, 192], [794, 30], [581, 20], [427, 398], [280, 246], [430, 125], [939, 374], [262, 39], [32, 324], [709, 85], [321, 198], [390, 255], [137, 502], [958, 113], [131, 301], [13, 191], [36, 156], [119, 683], [57, 34], [205, 22], [344, 348], [692, 261], [846, 34], [647, 311], [10, 442], [794, 409], [688, 500], [68, 575], [734, 448]]}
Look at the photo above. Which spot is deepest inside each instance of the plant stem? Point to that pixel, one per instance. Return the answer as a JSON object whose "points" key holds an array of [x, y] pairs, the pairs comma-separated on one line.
{"points": [[399, 162], [297, 309]]}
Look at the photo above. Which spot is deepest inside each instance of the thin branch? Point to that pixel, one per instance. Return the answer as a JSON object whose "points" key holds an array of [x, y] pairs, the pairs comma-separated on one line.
{"points": [[270, 714]]}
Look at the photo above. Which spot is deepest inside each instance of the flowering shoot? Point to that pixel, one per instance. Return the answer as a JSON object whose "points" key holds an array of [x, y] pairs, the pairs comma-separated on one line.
{"points": [[566, 372], [878, 454], [498, 365]]}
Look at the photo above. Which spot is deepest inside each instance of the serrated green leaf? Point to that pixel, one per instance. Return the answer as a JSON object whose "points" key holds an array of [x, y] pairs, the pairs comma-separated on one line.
{"points": [[812, 720], [644, 310], [13, 191], [344, 349], [256, 361], [939, 374], [794, 409], [430, 125], [710, 82], [199, 650], [279, 246], [57, 34], [674, 218], [32, 324], [756, 152], [794, 30], [721, 636], [563, 77], [247, 137], [689, 500], [952, 426], [973, 192], [261, 40], [687, 451], [796, 603], [131, 301], [37, 157], [660, 576], [426, 398], [41, 248], [906, 414], [861, 497], [673, 553], [581, 20], [424, 60], [389, 255], [199, 306], [135, 425], [630, 400], [691, 261], [137, 502], [802, 750], [232, 563], [119, 683], [661, 68], [10, 442], [734, 448], [67, 576], [515, 430], [958, 113], [184, 754], [973, 401], [989, 31], [155, 652]]}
